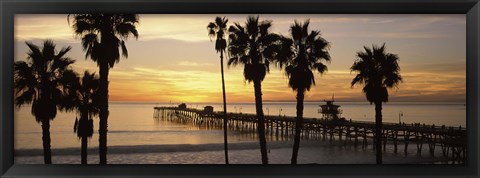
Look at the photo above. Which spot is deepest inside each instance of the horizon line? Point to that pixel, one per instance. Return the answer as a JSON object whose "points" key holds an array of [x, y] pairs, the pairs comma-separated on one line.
{"points": [[280, 101]]}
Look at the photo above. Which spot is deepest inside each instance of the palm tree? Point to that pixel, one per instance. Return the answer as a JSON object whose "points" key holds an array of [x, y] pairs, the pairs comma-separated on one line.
{"points": [[40, 81], [302, 54], [102, 37], [83, 97], [218, 28], [254, 47], [377, 71]]}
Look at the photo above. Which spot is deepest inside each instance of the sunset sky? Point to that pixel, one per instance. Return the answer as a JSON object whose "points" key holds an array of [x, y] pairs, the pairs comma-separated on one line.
{"points": [[174, 59]]}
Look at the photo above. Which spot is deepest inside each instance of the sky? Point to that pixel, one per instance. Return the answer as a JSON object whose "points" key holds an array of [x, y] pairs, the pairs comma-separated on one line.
{"points": [[174, 59]]}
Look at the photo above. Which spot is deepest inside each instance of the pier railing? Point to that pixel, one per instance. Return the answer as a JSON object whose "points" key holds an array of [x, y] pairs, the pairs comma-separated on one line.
{"points": [[451, 140]]}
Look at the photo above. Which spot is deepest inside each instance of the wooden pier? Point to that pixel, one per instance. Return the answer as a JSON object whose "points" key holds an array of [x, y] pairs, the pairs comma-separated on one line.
{"points": [[451, 141]]}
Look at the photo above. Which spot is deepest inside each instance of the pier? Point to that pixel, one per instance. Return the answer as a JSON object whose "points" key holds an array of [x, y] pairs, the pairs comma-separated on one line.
{"points": [[450, 140]]}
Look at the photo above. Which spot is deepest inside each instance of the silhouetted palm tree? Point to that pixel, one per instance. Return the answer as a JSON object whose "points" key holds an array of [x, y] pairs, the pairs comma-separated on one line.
{"points": [[254, 47], [217, 29], [301, 54], [83, 97], [377, 71], [40, 81], [102, 37]]}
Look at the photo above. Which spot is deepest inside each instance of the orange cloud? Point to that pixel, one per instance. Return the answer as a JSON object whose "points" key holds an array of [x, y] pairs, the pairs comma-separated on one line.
{"points": [[174, 60]]}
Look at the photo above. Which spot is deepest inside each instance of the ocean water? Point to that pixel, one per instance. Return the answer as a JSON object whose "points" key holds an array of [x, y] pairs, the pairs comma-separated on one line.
{"points": [[449, 114], [133, 131]]}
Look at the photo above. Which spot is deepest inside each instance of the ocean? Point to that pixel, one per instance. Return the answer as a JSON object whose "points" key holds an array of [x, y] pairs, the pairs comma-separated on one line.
{"points": [[135, 137]]}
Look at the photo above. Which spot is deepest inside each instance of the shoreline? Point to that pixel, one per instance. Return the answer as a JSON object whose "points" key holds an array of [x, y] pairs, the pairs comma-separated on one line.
{"points": [[311, 152]]}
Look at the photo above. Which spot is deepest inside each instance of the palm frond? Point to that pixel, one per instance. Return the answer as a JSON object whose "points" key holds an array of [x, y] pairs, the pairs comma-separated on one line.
{"points": [[124, 49], [61, 64], [130, 18], [320, 67], [103, 35], [38, 80], [125, 29], [252, 26], [377, 71], [302, 53], [211, 30], [62, 52], [253, 46], [82, 27], [25, 97], [48, 50], [36, 56], [24, 77]]}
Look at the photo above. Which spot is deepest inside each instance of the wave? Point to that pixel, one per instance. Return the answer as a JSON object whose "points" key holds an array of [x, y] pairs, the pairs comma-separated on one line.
{"points": [[148, 131], [135, 149], [189, 132], [136, 131]]}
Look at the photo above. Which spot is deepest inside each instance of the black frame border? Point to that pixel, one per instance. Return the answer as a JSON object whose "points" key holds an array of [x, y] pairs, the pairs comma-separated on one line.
{"points": [[8, 8]]}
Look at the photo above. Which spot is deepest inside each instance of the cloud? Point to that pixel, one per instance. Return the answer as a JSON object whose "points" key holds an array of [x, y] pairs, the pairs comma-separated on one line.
{"points": [[28, 27], [384, 21], [458, 68], [192, 64], [174, 59], [161, 84]]}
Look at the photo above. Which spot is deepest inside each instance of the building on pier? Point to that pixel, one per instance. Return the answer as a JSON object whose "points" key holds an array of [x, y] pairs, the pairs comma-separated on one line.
{"points": [[208, 109], [182, 106], [329, 110]]}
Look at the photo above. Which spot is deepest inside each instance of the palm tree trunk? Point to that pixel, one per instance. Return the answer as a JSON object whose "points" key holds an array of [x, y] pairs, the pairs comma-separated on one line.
{"points": [[82, 132], [47, 152], [225, 120], [298, 124], [84, 149], [103, 104], [257, 85], [378, 131]]}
